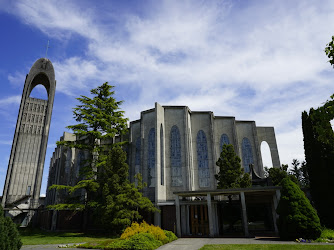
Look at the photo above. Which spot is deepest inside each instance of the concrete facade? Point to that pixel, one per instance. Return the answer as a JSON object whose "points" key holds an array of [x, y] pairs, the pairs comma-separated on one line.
{"points": [[197, 166], [175, 150], [26, 163]]}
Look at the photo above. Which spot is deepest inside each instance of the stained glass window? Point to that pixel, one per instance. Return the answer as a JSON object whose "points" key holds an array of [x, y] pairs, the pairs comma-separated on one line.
{"points": [[151, 158], [175, 157], [224, 140], [202, 159], [247, 154]]}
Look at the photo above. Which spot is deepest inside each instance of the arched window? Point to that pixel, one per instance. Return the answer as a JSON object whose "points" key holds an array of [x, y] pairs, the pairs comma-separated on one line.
{"points": [[151, 158], [247, 154], [175, 157], [224, 140], [162, 162], [137, 156], [266, 155], [202, 159]]}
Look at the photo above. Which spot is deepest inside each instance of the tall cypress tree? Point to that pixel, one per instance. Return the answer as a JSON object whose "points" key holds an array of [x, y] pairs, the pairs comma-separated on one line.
{"points": [[319, 155]]}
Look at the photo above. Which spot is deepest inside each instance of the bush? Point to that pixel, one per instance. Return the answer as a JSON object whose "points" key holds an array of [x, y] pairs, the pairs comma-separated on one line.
{"points": [[9, 235], [297, 218], [140, 241], [170, 236], [143, 227]]}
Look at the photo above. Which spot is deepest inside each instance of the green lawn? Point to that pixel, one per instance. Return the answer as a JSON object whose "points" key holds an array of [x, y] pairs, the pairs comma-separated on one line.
{"points": [[266, 247], [39, 237]]}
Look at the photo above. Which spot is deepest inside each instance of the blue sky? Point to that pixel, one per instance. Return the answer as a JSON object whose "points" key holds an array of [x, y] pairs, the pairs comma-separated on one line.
{"points": [[255, 60]]}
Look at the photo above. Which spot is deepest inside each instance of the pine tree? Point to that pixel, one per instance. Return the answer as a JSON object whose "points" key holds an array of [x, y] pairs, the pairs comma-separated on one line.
{"points": [[122, 202], [297, 217], [105, 172], [231, 174]]}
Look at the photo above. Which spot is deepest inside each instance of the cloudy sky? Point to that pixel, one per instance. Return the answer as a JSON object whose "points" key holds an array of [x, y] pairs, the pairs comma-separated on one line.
{"points": [[255, 60]]}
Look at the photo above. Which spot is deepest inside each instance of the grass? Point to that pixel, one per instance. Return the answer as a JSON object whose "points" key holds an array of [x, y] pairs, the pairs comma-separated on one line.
{"points": [[266, 247], [39, 237]]}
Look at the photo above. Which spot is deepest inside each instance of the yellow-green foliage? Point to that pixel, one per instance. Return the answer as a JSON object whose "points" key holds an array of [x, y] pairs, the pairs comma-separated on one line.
{"points": [[143, 227]]}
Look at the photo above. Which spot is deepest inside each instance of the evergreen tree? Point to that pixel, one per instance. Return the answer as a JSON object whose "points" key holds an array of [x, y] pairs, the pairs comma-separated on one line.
{"points": [[122, 202], [278, 174], [104, 173], [231, 174], [296, 171], [297, 217], [9, 235], [319, 155]]}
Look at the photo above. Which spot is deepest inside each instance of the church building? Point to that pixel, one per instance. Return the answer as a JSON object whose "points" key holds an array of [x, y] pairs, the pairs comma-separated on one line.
{"points": [[176, 149]]}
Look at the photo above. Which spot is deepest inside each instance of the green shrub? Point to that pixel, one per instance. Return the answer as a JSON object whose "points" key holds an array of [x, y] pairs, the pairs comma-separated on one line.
{"points": [[170, 236], [297, 217], [9, 235], [140, 241]]}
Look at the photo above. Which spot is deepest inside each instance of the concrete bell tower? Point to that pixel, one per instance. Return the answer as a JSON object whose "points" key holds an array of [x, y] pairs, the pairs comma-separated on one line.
{"points": [[26, 163]]}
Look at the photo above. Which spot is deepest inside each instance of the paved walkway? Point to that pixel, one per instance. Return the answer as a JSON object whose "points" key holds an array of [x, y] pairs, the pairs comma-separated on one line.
{"points": [[197, 243]]}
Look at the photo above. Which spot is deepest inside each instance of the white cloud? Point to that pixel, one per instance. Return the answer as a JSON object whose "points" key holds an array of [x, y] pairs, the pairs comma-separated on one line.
{"points": [[10, 100], [261, 61], [17, 79]]}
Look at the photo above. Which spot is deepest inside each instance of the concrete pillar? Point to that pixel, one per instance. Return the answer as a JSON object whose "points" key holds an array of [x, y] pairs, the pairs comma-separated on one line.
{"points": [[178, 217], [273, 209], [244, 213], [210, 215], [157, 218]]}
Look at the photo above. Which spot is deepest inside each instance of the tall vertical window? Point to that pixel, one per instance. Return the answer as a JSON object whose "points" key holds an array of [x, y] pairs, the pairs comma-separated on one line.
{"points": [[80, 163], [151, 158], [162, 162], [202, 159], [175, 157], [28, 190], [137, 156], [247, 154], [224, 140]]}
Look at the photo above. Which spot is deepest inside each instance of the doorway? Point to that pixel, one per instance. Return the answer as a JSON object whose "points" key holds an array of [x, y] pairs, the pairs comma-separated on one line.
{"points": [[199, 222]]}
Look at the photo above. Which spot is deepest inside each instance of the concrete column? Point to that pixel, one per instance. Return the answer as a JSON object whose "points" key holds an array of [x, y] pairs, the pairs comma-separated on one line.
{"points": [[273, 209], [210, 215], [157, 218], [178, 217], [244, 213]]}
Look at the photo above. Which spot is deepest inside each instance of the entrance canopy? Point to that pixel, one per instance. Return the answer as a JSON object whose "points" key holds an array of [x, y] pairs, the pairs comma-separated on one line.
{"points": [[269, 194]]}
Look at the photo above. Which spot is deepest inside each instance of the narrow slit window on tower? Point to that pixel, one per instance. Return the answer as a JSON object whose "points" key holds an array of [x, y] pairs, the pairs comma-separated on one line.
{"points": [[151, 158], [28, 190]]}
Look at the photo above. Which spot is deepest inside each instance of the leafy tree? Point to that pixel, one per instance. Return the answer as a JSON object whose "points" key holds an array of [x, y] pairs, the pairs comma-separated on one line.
{"points": [[297, 217], [231, 174], [9, 235], [104, 172], [278, 174]]}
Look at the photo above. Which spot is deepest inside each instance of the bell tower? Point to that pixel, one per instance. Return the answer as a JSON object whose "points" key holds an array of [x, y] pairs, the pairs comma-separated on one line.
{"points": [[26, 162]]}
